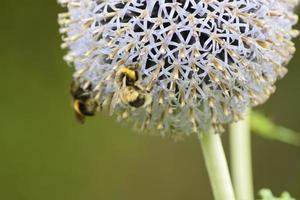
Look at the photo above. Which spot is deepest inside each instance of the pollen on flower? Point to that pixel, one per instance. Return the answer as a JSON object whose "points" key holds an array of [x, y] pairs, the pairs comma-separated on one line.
{"points": [[200, 63]]}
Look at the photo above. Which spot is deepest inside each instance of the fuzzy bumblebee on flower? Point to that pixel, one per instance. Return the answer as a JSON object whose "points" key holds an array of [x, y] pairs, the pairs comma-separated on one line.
{"points": [[176, 66]]}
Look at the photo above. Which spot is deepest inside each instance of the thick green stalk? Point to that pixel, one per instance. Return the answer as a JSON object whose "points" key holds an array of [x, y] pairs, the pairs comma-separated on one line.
{"points": [[216, 165], [241, 163]]}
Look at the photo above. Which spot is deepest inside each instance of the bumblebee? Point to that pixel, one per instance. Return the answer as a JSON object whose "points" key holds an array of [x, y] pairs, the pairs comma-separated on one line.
{"points": [[83, 102], [130, 93], [126, 75], [134, 96]]}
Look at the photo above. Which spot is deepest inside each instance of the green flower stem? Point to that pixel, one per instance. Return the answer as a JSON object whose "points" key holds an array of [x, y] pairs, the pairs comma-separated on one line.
{"points": [[216, 165], [241, 163]]}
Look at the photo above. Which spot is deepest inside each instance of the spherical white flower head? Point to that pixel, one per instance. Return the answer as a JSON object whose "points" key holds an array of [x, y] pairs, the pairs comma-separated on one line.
{"points": [[202, 61]]}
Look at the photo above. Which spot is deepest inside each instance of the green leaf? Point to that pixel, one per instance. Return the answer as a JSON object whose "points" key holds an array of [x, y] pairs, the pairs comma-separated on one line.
{"points": [[266, 194], [264, 127]]}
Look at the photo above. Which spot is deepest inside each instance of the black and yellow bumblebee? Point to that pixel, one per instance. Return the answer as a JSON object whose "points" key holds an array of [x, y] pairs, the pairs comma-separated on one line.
{"points": [[84, 103], [130, 93]]}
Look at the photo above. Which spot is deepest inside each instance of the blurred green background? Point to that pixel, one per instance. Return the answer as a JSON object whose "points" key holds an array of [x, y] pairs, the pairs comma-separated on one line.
{"points": [[45, 154]]}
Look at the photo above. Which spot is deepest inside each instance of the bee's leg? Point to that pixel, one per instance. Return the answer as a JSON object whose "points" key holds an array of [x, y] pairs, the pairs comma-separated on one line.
{"points": [[79, 117]]}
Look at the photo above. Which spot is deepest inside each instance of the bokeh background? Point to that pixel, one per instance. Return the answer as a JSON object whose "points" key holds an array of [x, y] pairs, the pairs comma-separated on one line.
{"points": [[46, 155]]}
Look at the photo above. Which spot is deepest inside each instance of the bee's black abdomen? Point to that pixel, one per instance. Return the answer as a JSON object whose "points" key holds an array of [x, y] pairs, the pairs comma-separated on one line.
{"points": [[87, 109], [140, 101]]}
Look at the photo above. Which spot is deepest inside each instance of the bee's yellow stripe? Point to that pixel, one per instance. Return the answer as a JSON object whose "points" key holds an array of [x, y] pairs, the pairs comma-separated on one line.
{"points": [[76, 105], [129, 72]]}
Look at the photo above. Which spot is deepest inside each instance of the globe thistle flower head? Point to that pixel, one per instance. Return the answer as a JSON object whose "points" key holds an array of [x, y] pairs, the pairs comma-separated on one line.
{"points": [[199, 63]]}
